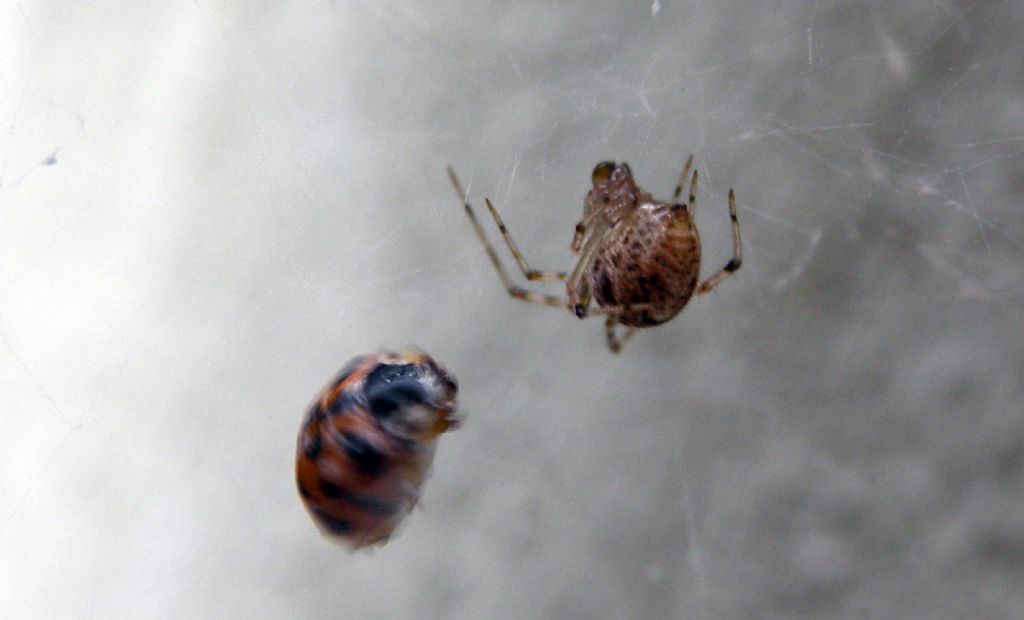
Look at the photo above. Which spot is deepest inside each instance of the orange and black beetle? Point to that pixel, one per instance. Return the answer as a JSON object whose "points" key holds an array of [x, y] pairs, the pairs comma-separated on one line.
{"points": [[367, 443]]}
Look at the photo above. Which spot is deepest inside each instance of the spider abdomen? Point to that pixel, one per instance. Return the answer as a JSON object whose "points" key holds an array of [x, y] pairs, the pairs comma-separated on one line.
{"points": [[652, 256]]}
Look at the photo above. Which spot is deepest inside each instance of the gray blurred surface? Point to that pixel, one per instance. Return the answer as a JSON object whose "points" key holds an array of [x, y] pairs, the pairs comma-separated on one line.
{"points": [[207, 208]]}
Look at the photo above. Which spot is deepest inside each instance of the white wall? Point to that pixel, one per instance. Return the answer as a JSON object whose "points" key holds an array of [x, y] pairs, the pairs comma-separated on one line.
{"points": [[207, 208]]}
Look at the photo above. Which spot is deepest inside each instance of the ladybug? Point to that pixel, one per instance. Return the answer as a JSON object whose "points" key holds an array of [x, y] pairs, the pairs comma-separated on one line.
{"points": [[367, 443]]}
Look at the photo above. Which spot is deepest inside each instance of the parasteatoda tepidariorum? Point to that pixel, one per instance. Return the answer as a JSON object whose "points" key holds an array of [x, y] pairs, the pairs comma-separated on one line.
{"points": [[639, 257]]}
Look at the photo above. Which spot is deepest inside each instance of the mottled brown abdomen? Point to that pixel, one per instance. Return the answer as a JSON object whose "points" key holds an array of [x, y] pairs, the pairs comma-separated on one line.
{"points": [[652, 256]]}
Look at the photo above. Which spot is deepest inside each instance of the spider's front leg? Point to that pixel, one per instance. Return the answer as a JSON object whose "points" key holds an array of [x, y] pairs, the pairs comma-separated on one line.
{"points": [[577, 289], [580, 302]]}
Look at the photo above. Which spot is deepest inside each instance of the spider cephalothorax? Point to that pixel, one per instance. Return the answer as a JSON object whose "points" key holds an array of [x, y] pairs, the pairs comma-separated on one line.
{"points": [[639, 258]]}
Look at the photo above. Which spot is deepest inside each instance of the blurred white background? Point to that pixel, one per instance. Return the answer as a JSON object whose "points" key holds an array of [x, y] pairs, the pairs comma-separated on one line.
{"points": [[206, 208]]}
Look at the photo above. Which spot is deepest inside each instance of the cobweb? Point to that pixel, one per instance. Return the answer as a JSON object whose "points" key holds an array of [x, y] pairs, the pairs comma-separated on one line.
{"points": [[205, 210]]}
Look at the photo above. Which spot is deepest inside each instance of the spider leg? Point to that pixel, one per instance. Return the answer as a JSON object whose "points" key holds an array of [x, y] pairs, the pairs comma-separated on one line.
{"points": [[514, 291], [534, 275], [682, 180], [622, 309], [579, 295], [691, 205], [581, 231], [737, 252], [614, 342]]}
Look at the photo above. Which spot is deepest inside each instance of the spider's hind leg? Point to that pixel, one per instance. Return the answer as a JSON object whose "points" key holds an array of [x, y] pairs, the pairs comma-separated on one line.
{"points": [[616, 343], [682, 180], [737, 252]]}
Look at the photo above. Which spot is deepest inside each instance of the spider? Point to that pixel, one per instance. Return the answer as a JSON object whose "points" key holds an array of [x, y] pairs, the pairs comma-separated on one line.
{"points": [[639, 258]]}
